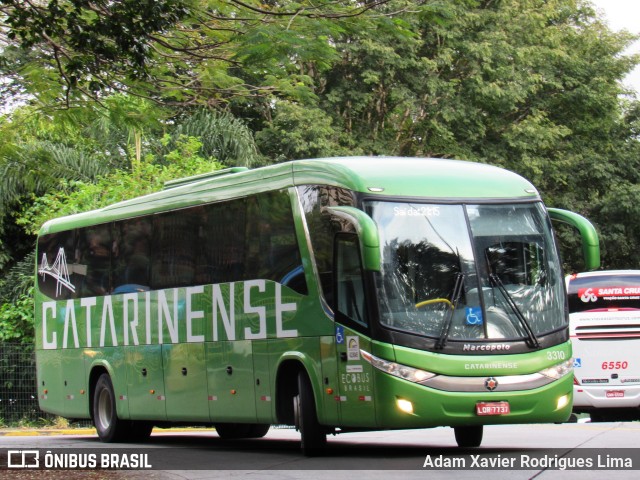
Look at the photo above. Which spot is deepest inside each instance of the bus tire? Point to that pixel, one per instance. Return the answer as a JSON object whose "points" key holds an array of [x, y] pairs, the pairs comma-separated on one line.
{"points": [[105, 417], [468, 437], [313, 435], [233, 431], [258, 430], [139, 431]]}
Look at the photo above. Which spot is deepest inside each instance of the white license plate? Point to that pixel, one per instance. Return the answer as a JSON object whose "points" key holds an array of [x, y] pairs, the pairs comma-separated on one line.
{"points": [[492, 408], [615, 393]]}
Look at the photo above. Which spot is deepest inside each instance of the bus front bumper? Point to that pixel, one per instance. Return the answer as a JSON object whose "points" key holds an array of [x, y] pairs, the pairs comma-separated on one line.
{"points": [[403, 404]]}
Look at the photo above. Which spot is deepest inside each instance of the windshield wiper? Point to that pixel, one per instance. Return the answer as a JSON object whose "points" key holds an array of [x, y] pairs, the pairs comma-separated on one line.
{"points": [[446, 325], [532, 341]]}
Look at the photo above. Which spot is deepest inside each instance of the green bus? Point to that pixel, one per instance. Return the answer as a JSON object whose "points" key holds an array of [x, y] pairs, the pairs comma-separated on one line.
{"points": [[333, 295]]}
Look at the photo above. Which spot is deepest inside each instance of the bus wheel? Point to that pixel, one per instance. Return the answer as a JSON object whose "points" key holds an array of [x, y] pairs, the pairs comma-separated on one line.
{"points": [[258, 430], [139, 431], [232, 431], [105, 418], [313, 435], [468, 437]]}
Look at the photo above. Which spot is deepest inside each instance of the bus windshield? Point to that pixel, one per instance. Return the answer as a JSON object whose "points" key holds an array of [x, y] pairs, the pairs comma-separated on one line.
{"points": [[468, 272]]}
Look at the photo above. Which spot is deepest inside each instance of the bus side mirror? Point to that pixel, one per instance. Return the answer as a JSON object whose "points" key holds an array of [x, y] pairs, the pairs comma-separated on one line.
{"points": [[590, 241], [367, 231]]}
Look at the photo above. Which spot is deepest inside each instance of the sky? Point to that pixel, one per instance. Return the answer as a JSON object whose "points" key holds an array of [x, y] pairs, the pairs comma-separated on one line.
{"points": [[624, 15]]}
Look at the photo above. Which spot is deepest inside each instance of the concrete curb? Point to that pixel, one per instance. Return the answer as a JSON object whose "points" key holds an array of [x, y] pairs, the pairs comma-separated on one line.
{"points": [[33, 432]]}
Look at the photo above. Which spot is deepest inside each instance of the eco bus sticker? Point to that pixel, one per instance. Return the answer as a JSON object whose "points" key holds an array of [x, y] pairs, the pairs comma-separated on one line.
{"points": [[353, 348]]}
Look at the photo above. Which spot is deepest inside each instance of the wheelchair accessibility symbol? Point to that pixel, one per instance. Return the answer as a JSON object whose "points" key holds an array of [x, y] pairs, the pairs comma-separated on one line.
{"points": [[474, 315]]}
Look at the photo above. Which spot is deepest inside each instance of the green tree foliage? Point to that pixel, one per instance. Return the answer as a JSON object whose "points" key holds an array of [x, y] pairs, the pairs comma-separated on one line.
{"points": [[145, 177], [176, 51], [223, 137], [16, 310], [300, 132], [40, 149], [16, 320], [530, 85]]}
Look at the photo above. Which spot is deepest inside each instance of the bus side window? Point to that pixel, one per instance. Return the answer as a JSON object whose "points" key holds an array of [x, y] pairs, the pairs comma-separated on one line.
{"points": [[221, 240], [322, 228], [94, 247], [132, 255], [271, 243], [175, 235], [349, 288]]}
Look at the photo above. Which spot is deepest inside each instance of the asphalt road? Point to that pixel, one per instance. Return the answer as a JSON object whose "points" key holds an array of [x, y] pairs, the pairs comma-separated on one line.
{"points": [[605, 450]]}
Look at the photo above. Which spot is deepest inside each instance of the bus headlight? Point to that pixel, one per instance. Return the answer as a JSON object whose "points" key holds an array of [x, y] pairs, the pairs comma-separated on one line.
{"points": [[404, 405], [558, 371], [563, 401], [411, 374]]}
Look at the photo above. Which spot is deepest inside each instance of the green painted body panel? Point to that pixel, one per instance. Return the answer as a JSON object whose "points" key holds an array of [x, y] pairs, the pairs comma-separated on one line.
{"points": [[145, 382], [168, 351], [483, 365], [185, 380], [590, 240], [367, 233], [263, 381], [232, 391], [177, 315], [49, 378], [415, 177], [356, 381], [411, 177], [434, 408]]}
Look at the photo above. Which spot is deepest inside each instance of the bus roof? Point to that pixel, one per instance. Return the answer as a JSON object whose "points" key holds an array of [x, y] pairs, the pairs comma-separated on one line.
{"points": [[603, 273], [428, 178]]}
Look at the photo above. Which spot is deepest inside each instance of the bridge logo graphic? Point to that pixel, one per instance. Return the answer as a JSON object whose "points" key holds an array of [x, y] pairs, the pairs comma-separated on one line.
{"points": [[59, 270]]}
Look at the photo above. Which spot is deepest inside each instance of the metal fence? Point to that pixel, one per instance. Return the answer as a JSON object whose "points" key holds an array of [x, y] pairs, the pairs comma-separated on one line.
{"points": [[18, 391]]}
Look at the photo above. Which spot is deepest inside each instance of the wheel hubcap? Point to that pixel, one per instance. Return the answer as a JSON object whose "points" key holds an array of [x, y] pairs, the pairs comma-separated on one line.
{"points": [[104, 409]]}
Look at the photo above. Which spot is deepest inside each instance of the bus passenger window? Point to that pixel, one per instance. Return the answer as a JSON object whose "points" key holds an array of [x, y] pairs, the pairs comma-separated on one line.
{"points": [[94, 246], [272, 246], [132, 255], [175, 236], [220, 246]]}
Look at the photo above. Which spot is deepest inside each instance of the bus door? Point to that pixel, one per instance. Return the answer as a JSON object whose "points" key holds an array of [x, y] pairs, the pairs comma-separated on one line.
{"points": [[355, 378]]}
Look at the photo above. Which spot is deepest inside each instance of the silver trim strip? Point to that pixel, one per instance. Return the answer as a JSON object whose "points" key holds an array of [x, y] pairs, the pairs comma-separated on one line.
{"points": [[477, 384]]}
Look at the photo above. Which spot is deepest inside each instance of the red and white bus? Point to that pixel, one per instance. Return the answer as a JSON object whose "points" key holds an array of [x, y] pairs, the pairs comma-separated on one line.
{"points": [[604, 309]]}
